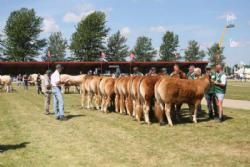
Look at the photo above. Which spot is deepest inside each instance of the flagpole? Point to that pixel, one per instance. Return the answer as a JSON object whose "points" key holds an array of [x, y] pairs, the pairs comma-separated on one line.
{"points": [[48, 57], [132, 57], [103, 56], [101, 67], [130, 67]]}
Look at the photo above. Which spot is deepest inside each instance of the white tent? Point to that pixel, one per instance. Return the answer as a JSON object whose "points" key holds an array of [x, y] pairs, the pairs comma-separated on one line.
{"points": [[243, 72]]}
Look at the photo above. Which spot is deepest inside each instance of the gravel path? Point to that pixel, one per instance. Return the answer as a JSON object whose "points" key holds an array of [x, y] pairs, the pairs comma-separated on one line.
{"points": [[236, 104]]}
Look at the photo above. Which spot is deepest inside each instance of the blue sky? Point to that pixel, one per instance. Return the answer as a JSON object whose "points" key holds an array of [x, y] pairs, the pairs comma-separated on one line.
{"points": [[201, 20]]}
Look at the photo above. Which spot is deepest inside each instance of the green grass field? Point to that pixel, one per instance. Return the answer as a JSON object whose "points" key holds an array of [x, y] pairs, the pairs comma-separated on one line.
{"points": [[238, 90], [91, 138]]}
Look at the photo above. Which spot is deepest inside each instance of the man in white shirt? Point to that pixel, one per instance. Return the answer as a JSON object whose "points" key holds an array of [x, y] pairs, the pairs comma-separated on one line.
{"points": [[220, 86], [46, 89], [56, 91]]}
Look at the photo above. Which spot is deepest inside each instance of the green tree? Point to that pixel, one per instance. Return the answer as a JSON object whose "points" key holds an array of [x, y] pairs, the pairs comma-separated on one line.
{"points": [[193, 52], [117, 50], [87, 41], [215, 53], [22, 31], [1, 47], [169, 46], [57, 46], [143, 49]]}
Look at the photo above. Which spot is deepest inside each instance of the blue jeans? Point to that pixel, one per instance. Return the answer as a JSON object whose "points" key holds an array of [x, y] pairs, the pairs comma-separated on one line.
{"points": [[58, 102]]}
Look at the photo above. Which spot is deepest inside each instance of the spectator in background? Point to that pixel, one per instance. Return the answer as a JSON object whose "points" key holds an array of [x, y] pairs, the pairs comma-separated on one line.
{"points": [[136, 72], [19, 80], [178, 73], [57, 94], [46, 89], [164, 71], [220, 89], [191, 74], [25, 81], [90, 72], [152, 72], [38, 84], [210, 95]]}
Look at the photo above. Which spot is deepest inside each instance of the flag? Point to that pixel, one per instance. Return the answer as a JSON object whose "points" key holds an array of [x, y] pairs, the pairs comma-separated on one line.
{"points": [[103, 57], [132, 56], [49, 55]]}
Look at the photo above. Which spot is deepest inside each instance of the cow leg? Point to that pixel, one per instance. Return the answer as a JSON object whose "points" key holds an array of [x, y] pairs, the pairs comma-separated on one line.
{"points": [[7, 88], [117, 103], [159, 113], [97, 101], [103, 103], [122, 107], [129, 106], [107, 104], [82, 98], [195, 112], [146, 108], [138, 111], [192, 110], [167, 112], [89, 100], [134, 108]]}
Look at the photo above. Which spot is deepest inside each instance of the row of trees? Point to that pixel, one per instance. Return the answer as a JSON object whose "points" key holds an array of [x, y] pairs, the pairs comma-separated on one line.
{"points": [[22, 42]]}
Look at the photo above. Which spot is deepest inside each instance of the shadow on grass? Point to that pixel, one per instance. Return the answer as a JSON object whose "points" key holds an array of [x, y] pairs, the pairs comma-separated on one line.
{"points": [[4, 148], [187, 118], [68, 117]]}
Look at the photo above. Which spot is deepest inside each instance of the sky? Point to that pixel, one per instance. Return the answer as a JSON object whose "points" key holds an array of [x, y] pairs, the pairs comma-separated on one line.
{"points": [[200, 20]]}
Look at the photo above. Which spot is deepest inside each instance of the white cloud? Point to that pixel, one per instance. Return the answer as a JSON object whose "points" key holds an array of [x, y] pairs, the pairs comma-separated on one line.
{"points": [[230, 16], [49, 25], [237, 44], [159, 29], [233, 44], [125, 31], [81, 12]]}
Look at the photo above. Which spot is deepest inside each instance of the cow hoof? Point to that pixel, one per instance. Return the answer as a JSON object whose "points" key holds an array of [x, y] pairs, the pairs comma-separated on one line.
{"points": [[149, 123], [162, 123], [141, 122]]}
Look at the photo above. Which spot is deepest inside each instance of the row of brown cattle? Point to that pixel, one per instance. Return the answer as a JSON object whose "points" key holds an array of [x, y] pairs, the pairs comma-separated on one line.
{"points": [[137, 96]]}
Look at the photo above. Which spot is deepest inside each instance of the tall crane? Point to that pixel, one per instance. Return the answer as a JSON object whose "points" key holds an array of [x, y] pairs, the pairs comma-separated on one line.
{"points": [[228, 26]]}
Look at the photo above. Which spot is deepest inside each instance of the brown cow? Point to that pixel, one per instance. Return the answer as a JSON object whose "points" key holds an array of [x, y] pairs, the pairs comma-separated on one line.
{"points": [[117, 95], [146, 94], [107, 92], [137, 107], [169, 91], [123, 93], [94, 93], [86, 91], [128, 101]]}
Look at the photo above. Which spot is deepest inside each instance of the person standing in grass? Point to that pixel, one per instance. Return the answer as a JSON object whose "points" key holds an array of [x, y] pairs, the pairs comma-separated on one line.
{"points": [[220, 89], [191, 73], [25, 81], [39, 84], [46, 89], [56, 91], [210, 95], [19, 80]]}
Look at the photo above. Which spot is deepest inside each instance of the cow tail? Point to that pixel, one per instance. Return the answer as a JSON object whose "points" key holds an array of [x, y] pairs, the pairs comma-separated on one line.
{"points": [[138, 91]]}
